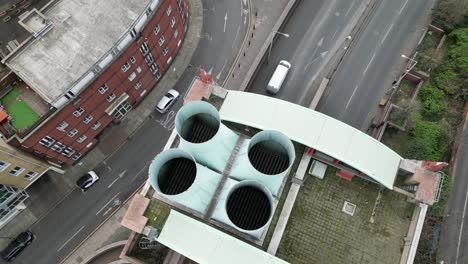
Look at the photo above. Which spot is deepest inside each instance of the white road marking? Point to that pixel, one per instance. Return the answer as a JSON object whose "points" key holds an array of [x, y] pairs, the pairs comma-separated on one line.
{"points": [[112, 183], [102, 208], [122, 173], [107, 211], [235, 38], [367, 67], [222, 69], [142, 169], [352, 95], [403, 7], [66, 242], [461, 228], [386, 34], [334, 34], [225, 20], [350, 7], [210, 71]]}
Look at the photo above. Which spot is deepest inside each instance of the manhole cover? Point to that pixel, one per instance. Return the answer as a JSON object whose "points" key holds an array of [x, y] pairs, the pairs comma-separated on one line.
{"points": [[349, 208]]}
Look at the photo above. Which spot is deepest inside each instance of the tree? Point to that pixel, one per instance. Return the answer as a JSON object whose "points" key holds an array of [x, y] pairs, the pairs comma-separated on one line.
{"points": [[451, 14]]}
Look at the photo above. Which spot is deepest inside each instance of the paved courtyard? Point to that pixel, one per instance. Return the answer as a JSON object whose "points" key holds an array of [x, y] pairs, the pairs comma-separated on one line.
{"points": [[319, 232]]}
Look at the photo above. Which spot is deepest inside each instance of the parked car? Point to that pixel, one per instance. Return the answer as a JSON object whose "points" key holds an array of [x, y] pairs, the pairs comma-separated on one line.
{"points": [[17, 245], [167, 101], [87, 180]]}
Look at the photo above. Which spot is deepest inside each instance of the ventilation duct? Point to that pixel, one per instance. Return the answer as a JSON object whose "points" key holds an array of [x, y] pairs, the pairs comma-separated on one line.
{"points": [[248, 206], [204, 136], [176, 176], [266, 158]]}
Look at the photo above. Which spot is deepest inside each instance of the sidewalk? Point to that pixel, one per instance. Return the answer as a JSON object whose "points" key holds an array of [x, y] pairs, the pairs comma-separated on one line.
{"points": [[115, 137]]}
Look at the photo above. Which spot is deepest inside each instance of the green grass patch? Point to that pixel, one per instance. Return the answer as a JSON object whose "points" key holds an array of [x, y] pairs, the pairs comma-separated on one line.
{"points": [[157, 212], [10, 96], [23, 115]]}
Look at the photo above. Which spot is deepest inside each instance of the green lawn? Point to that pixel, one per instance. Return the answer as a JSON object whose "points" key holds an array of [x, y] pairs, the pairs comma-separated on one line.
{"points": [[10, 96], [23, 115]]}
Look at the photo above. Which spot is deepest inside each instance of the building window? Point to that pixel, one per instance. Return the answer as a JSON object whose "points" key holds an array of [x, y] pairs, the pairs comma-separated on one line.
{"points": [[132, 59], [138, 69], [169, 10], [30, 175], [122, 110], [144, 49], [138, 85], [156, 29], [176, 33], [58, 147], [154, 68], [111, 97], [4, 165], [161, 40], [132, 76], [158, 75], [165, 51], [103, 88], [72, 132], [16, 171], [87, 119], [76, 156], [133, 33], [96, 125], [172, 21], [149, 59], [78, 112], [125, 67], [68, 152], [47, 141], [62, 126], [81, 139]]}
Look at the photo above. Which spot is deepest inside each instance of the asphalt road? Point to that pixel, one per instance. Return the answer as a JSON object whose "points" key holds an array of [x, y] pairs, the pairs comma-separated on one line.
{"points": [[453, 246], [313, 30], [366, 70], [60, 231]]}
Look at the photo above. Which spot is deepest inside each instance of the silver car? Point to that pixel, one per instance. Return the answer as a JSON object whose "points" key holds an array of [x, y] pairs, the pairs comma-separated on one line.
{"points": [[167, 101]]}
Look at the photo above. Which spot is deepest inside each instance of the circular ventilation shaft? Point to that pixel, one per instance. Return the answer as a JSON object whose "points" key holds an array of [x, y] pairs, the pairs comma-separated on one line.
{"points": [[271, 152], [197, 122], [176, 176], [249, 207]]}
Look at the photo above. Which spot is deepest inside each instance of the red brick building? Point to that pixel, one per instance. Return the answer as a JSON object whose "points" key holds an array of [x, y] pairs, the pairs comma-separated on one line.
{"points": [[85, 66]]}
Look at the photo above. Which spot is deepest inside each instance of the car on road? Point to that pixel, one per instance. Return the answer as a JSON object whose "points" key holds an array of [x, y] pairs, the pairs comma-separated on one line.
{"points": [[277, 79], [167, 101], [17, 245], [87, 180]]}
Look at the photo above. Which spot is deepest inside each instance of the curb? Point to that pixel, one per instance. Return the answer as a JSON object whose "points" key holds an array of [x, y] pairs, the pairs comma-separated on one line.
{"points": [[98, 252], [456, 143]]}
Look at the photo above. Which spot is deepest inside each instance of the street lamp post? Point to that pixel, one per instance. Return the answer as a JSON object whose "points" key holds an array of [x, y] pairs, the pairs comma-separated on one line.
{"points": [[271, 41], [411, 63]]}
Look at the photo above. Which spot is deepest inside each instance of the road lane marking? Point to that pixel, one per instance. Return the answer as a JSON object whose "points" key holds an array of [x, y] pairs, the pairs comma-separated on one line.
{"points": [[112, 183], [64, 244], [235, 38], [334, 34], [350, 7], [461, 228], [367, 67], [222, 69], [107, 203], [225, 20], [403, 7], [352, 95], [386, 34]]}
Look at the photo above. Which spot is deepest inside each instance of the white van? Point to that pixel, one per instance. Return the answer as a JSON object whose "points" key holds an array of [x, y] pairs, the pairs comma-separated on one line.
{"points": [[274, 85]]}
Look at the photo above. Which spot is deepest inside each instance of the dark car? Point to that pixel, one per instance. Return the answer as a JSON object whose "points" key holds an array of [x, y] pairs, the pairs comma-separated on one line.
{"points": [[17, 245], [87, 180]]}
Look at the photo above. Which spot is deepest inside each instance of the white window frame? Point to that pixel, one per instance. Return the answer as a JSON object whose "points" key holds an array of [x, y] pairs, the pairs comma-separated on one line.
{"points": [[111, 97], [165, 51], [4, 165], [47, 141], [103, 88], [158, 75], [16, 171], [88, 119], [96, 125], [169, 10], [132, 76], [144, 49], [138, 84], [62, 126], [125, 67], [173, 21], [154, 68], [76, 156], [161, 40], [132, 59], [82, 139], [176, 33], [68, 152], [149, 59], [157, 29], [58, 147], [72, 132], [30, 175], [78, 112]]}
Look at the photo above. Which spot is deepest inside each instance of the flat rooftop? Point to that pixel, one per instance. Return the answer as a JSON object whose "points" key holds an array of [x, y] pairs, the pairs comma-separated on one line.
{"points": [[83, 32]]}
